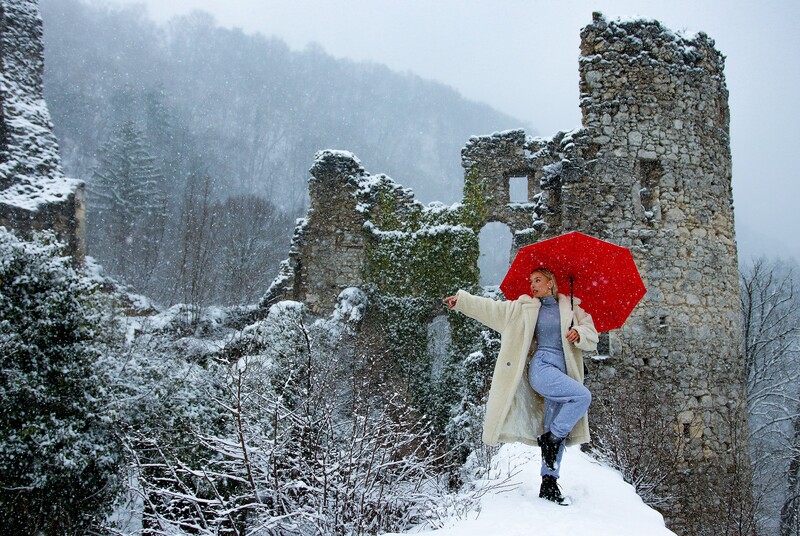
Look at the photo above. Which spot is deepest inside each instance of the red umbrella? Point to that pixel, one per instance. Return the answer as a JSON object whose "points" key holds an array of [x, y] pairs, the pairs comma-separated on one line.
{"points": [[603, 275]]}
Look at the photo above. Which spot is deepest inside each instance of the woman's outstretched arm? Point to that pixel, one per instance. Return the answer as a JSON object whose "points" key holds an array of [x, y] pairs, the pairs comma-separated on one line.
{"points": [[491, 313]]}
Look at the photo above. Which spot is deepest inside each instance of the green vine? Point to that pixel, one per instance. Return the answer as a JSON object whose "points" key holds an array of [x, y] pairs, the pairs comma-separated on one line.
{"points": [[475, 212]]}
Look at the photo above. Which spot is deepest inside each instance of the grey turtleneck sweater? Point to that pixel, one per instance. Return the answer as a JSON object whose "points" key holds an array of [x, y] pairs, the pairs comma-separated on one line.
{"points": [[548, 326]]}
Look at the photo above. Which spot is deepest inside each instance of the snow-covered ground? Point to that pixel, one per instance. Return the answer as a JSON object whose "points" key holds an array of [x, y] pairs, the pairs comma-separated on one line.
{"points": [[603, 504]]}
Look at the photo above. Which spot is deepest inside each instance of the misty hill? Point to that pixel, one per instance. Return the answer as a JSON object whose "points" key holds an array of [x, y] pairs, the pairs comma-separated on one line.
{"points": [[251, 110], [195, 141]]}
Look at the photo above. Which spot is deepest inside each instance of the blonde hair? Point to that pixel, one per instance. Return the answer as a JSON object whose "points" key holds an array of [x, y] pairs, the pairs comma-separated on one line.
{"points": [[550, 277]]}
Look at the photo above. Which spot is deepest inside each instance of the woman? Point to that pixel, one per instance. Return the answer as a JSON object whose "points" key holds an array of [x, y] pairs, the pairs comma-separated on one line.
{"points": [[549, 407]]}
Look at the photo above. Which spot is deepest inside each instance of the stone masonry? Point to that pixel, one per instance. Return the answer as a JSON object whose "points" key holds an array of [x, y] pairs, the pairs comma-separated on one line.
{"points": [[649, 170], [34, 194], [333, 230]]}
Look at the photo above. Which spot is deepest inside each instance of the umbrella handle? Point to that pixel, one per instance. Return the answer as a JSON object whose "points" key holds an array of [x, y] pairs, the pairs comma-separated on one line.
{"points": [[571, 302]]}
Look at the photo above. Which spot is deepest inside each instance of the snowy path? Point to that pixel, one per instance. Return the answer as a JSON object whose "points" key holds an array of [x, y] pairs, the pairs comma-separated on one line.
{"points": [[603, 504]]}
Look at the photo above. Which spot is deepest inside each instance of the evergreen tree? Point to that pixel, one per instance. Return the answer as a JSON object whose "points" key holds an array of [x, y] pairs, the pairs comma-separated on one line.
{"points": [[58, 453], [127, 206]]}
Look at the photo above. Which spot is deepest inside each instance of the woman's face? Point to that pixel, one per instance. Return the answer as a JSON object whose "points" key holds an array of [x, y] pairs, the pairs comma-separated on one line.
{"points": [[540, 285]]}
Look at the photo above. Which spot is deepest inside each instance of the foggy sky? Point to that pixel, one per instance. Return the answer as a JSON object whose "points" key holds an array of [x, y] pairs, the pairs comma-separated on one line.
{"points": [[521, 57]]}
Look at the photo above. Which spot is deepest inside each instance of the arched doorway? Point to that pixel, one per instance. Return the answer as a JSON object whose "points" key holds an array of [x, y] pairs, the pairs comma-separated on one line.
{"points": [[494, 241]]}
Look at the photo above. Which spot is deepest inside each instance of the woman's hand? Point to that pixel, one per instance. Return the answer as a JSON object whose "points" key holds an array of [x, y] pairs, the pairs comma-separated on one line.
{"points": [[450, 301], [573, 336]]}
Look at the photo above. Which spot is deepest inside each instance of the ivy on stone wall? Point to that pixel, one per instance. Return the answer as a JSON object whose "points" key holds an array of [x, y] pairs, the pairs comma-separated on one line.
{"points": [[474, 210], [415, 256], [430, 262]]}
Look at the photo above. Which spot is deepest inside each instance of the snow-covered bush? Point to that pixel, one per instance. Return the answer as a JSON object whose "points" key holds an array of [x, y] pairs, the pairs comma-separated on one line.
{"points": [[163, 385], [628, 434], [58, 453], [465, 428], [301, 442]]}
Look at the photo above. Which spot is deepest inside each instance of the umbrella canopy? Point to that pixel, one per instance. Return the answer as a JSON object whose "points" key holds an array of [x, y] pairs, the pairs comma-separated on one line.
{"points": [[603, 275]]}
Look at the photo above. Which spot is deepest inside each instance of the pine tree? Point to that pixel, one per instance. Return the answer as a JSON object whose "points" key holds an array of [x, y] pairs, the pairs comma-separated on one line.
{"points": [[127, 206]]}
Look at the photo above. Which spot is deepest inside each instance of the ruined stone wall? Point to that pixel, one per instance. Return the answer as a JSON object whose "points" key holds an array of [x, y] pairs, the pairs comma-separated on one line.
{"points": [[65, 217], [34, 194], [489, 162], [366, 229], [650, 170], [332, 256]]}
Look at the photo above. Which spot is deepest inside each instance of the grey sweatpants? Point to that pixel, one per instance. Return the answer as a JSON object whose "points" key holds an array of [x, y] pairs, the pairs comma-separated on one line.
{"points": [[565, 400]]}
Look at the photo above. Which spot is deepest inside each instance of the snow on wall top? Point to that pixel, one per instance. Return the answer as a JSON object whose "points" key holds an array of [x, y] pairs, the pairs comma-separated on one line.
{"points": [[650, 40]]}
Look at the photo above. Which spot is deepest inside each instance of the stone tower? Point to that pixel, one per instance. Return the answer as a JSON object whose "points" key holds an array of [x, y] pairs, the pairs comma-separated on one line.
{"points": [[650, 170], [34, 194], [654, 174]]}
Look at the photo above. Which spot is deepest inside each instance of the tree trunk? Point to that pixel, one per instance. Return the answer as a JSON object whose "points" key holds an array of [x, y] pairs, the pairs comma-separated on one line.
{"points": [[789, 510]]}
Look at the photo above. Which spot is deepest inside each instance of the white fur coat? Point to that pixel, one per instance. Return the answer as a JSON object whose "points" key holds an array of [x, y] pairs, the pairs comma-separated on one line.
{"points": [[514, 411]]}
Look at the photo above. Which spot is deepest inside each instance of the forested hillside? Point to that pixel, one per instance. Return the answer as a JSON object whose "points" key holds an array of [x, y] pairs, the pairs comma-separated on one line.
{"points": [[195, 141]]}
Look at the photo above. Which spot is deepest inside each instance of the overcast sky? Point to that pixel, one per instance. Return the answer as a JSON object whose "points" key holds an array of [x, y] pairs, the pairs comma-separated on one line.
{"points": [[521, 57]]}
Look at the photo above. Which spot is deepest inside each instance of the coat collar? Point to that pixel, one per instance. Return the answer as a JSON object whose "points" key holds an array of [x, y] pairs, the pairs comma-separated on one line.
{"points": [[564, 298]]}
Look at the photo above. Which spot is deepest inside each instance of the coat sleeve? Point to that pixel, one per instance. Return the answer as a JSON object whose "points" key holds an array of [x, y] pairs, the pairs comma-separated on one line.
{"points": [[491, 313], [584, 325]]}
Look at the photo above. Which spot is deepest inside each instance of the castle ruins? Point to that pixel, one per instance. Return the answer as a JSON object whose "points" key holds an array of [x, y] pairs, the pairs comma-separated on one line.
{"points": [[650, 170]]}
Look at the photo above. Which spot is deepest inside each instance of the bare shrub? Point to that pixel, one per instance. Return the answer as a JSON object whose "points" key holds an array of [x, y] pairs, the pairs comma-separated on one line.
{"points": [[306, 447], [629, 434]]}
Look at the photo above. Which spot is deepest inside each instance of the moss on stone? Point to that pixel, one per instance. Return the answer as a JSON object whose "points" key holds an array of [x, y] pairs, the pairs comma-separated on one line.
{"points": [[429, 262], [474, 210]]}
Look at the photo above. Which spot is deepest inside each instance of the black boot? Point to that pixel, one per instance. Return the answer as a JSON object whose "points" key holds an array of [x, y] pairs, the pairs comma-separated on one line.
{"points": [[550, 490], [549, 443]]}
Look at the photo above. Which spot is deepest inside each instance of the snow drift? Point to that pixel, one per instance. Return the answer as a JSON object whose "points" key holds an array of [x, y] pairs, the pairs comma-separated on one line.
{"points": [[603, 504]]}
